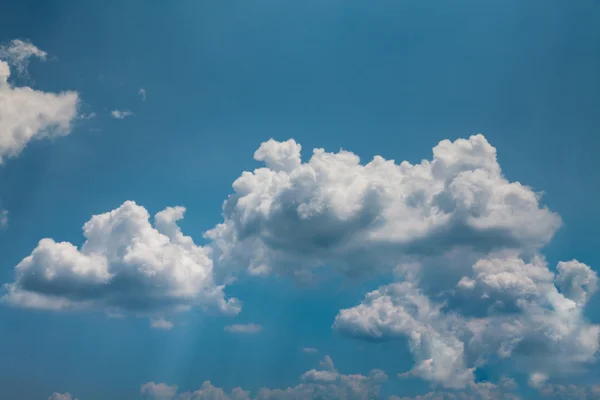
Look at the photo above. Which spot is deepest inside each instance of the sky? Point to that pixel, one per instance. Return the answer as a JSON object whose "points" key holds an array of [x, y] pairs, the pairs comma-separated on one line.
{"points": [[277, 200]]}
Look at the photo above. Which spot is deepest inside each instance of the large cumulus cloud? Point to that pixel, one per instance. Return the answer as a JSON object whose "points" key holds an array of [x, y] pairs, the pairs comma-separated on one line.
{"points": [[126, 265], [292, 217], [27, 114]]}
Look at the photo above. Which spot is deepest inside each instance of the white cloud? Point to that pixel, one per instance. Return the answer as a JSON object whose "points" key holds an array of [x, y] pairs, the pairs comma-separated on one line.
{"points": [[3, 219], [503, 390], [401, 310], [526, 319], [87, 116], [576, 281], [142, 92], [292, 217], [27, 114], [327, 384], [243, 328], [61, 396], [310, 350], [161, 323], [125, 266], [537, 379], [570, 392], [158, 391], [121, 114], [17, 53]]}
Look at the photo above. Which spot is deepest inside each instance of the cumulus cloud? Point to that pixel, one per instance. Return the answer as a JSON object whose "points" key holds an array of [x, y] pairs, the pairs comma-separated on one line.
{"points": [[18, 52], [125, 266], [528, 319], [243, 328], [142, 93], [401, 310], [27, 114], [322, 384], [121, 114], [293, 217], [310, 350]]}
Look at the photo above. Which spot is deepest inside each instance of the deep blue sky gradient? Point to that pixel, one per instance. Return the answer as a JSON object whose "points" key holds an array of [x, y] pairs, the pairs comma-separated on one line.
{"points": [[384, 77]]}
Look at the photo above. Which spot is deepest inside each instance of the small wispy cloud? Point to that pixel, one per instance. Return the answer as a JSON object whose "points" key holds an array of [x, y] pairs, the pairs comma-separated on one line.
{"points": [[161, 323], [142, 92], [3, 219], [243, 328], [87, 116], [121, 114], [18, 52], [309, 350]]}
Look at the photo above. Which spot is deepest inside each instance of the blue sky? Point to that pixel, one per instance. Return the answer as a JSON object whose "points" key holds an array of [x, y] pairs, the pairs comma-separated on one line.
{"points": [[385, 78]]}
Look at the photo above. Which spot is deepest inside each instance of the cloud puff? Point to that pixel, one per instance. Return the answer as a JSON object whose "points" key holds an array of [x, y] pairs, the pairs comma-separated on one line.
{"points": [[570, 392], [3, 219], [293, 217], [118, 114], [243, 328], [323, 384], [533, 317], [309, 350], [503, 390], [158, 391], [61, 396], [126, 265], [27, 114], [142, 93], [161, 323], [401, 310], [18, 52]]}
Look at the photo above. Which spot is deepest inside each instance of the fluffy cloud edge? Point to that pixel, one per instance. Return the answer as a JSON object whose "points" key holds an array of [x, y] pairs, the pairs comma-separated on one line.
{"points": [[27, 114]]}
